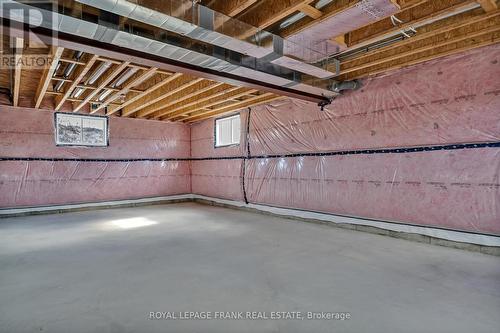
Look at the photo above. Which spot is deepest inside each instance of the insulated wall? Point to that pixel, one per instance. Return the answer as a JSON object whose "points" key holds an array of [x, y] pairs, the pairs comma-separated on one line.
{"points": [[130, 167], [418, 146], [221, 178]]}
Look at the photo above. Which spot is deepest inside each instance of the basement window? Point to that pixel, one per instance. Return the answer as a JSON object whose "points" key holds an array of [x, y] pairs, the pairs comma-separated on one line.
{"points": [[79, 130], [227, 131]]}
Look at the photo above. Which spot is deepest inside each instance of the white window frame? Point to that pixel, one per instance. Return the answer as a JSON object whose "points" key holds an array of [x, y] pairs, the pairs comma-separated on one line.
{"points": [[79, 122], [235, 137]]}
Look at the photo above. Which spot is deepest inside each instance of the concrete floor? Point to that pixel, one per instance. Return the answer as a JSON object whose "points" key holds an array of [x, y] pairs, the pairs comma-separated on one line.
{"points": [[104, 271]]}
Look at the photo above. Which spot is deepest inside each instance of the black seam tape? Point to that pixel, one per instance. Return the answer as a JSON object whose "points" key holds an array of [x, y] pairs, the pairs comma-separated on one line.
{"points": [[334, 153]]}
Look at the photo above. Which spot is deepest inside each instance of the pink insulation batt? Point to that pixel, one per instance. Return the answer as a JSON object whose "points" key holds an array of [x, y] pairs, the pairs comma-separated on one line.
{"points": [[449, 101]]}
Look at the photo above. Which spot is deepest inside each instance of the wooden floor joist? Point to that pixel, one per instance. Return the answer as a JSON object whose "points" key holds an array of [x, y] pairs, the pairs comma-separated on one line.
{"points": [[230, 7], [163, 93], [18, 44], [328, 11], [423, 33], [80, 73], [203, 97], [437, 52], [414, 16], [102, 82], [189, 90], [488, 5], [138, 80], [310, 11], [54, 56], [437, 41], [265, 13], [141, 96], [156, 94], [233, 93], [440, 28], [264, 98]]}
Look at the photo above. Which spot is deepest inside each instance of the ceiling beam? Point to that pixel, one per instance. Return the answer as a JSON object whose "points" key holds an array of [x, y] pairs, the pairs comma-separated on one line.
{"points": [[219, 98], [80, 73], [48, 73], [18, 44], [142, 95], [138, 80], [103, 81], [265, 13], [488, 5], [105, 49], [264, 98], [230, 7], [193, 89]]}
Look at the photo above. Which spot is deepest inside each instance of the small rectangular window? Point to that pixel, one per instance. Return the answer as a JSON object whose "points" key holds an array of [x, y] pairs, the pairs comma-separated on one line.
{"points": [[79, 130], [227, 131]]}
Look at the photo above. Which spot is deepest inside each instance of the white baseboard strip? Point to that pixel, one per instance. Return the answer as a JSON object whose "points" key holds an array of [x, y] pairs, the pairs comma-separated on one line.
{"points": [[5, 212], [456, 236]]}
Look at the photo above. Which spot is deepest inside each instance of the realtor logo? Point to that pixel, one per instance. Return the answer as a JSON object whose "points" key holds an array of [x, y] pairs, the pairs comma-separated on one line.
{"points": [[21, 44]]}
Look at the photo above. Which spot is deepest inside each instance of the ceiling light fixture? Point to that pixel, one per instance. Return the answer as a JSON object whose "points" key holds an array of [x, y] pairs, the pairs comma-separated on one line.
{"points": [[98, 72], [125, 76]]}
